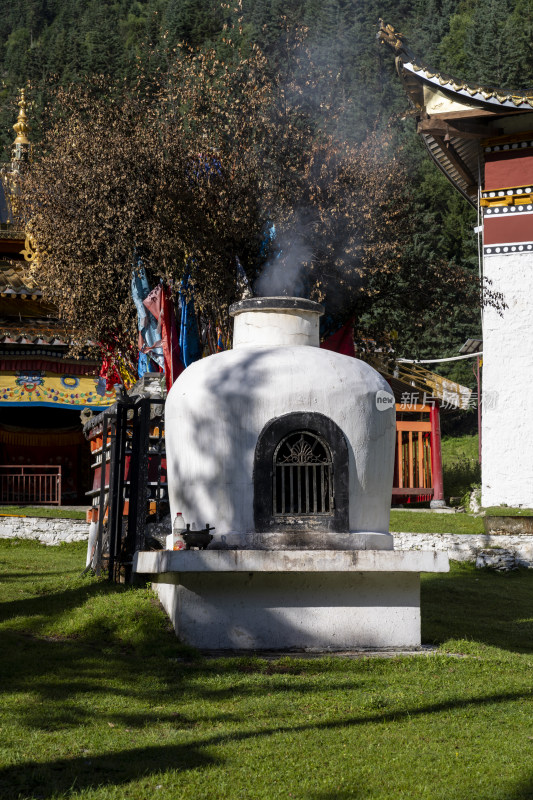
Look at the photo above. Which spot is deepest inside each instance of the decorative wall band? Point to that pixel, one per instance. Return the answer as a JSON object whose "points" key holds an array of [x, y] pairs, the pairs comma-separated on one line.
{"points": [[514, 146], [506, 191], [499, 211], [508, 249]]}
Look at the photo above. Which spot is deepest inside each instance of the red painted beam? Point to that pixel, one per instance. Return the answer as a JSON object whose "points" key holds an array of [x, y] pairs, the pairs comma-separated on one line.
{"points": [[436, 452]]}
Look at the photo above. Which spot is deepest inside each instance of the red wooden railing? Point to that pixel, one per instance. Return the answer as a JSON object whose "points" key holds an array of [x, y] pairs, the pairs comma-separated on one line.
{"points": [[414, 467], [36, 484]]}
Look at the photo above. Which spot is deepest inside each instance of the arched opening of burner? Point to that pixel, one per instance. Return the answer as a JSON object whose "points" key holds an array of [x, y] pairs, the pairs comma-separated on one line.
{"points": [[301, 475]]}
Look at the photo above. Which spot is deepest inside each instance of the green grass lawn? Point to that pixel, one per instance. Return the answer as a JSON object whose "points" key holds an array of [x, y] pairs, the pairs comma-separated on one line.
{"points": [[456, 448], [51, 512], [100, 701], [460, 466], [428, 522]]}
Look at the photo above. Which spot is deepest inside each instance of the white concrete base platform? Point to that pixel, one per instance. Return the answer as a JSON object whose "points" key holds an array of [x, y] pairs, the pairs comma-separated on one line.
{"points": [[292, 600]]}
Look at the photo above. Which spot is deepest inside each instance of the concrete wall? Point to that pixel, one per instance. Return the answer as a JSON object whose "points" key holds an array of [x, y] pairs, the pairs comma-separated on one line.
{"points": [[47, 531], [507, 427]]}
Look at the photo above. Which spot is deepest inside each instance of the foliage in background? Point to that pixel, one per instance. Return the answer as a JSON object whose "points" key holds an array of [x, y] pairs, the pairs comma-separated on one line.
{"points": [[190, 166], [460, 465], [475, 40]]}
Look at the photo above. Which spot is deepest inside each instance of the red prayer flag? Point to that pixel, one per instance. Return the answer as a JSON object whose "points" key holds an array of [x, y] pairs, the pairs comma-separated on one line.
{"points": [[159, 304], [341, 341]]}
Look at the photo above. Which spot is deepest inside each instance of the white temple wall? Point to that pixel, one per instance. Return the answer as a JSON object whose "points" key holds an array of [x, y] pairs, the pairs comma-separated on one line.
{"points": [[507, 412]]}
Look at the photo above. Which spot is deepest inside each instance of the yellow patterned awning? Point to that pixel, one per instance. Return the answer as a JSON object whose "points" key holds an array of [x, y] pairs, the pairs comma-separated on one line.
{"points": [[39, 388]]}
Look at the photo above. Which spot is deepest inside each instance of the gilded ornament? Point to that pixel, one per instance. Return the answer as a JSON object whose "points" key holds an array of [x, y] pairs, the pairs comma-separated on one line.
{"points": [[30, 251], [21, 126]]}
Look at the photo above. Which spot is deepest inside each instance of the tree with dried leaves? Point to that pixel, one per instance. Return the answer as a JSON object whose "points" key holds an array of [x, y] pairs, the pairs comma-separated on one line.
{"points": [[192, 171]]}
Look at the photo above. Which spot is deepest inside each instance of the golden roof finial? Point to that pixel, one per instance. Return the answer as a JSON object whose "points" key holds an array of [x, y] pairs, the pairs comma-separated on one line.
{"points": [[21, 145], [389, 35]]}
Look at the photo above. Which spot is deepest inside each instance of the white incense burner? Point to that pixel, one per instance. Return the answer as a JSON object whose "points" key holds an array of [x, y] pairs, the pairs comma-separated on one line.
{"points": [[288, 450]]}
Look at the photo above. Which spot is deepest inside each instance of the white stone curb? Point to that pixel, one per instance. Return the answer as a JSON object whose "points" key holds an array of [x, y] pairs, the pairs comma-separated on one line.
{"points": [[460, 547], [47, 531], [466, 546]]}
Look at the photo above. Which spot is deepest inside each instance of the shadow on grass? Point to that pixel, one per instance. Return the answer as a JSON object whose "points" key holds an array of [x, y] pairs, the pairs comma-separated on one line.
{"points": [[57, 778], [56, 602], [60, 675], [51, 778], [480, 605], [524, 791]]}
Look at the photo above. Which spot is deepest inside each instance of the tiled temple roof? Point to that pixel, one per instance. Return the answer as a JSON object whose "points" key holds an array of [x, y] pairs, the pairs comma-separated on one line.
{"points": [[34, 332], [455, 118], [14, 282], [30, 332], [46, 332], [40, 338], [470, 91]]}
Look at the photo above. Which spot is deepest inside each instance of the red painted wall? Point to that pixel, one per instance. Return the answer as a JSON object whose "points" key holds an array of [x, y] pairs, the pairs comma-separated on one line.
{"points": [[508, 228], [508, 168]]}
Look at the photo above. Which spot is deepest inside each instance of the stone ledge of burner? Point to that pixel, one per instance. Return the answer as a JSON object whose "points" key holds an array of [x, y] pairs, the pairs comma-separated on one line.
{"points": [[268, 561], [304, 540]]}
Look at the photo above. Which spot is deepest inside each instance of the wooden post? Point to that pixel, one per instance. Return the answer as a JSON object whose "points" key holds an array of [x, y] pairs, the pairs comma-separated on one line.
{"points": [[421, 477], [411, 461], [400, 459], [436, 457]]}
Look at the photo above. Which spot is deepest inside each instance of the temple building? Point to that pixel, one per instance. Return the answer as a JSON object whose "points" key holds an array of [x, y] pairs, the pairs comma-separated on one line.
{"points": [[44, 457], [482, 140]]}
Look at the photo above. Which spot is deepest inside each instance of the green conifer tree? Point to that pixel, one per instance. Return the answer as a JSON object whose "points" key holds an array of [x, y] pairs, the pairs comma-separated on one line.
{"points": [[487, 42]]}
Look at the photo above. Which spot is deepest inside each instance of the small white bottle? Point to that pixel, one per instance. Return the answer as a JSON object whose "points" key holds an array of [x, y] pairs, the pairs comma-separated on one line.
{"points": [[178, 528]]}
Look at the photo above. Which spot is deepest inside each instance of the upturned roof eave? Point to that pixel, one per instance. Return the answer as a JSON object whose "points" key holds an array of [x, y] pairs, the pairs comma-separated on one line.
{"points": [[455, 118], [496, 100], [487, 97], [461, 159]]}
